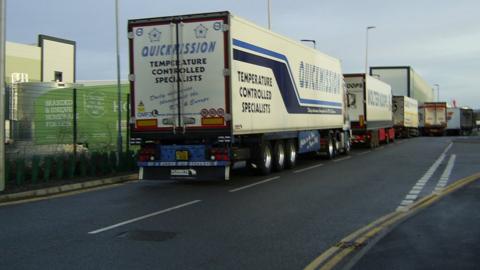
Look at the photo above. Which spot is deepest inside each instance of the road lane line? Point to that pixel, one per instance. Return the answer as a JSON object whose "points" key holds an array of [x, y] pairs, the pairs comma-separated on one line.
{"points": [[420, 184], [254, 184], [143, 217], [442, 182], [344, 158], [308, 168], [364, 152]]}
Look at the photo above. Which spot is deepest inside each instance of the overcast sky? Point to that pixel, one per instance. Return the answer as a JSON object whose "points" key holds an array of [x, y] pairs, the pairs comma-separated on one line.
{"points": [[439, 39]]}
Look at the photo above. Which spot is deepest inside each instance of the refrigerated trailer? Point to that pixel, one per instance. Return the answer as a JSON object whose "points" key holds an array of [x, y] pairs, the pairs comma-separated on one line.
{"points": [[369, 109], [405, 81], [405, 116], [211, 92], [460, 121], [432, 117]]}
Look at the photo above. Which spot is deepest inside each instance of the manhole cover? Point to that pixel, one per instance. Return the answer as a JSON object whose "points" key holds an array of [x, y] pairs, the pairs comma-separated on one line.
{"points": [[141, 235]]}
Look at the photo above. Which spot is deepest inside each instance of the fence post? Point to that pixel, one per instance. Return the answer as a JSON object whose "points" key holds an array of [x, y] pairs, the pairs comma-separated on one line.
{"points": [[75, 124]]}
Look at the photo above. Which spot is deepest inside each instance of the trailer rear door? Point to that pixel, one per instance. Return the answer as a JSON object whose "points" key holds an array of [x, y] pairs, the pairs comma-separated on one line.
{"points": [[178, 67]]}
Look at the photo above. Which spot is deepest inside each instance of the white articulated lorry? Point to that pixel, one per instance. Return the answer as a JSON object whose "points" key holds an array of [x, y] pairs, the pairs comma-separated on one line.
{"points": [[405, 81], [210, 92], [370, 110], [405, 116], [432, 118], [460, 121]]}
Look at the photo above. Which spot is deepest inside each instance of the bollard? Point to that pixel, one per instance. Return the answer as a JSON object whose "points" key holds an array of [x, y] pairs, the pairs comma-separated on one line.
{"points": [[112, 156], [71, 166], [20, 171], [93, 164], [47, 168], [59, 167], [106, 164], [35, 169], [83, 164]]}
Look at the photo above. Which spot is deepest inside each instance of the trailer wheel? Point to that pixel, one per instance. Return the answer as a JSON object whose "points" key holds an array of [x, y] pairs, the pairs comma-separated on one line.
{"points": [[348, 145], [290, 154], [265, 158], [331, 151], [278, 155]]}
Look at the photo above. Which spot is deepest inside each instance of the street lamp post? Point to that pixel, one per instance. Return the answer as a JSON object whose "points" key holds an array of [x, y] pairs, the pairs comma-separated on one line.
{"points": [[268, 13], [438, 91], [366, 49], [2, 94], [119, 94], [312, 41]]}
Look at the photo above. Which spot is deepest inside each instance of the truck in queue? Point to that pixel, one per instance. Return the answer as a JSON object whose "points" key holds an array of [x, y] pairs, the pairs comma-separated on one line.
{"points": [[405, 81], [460, 121], [432, 118], [405, 116], [212, 92], [369, 109]]}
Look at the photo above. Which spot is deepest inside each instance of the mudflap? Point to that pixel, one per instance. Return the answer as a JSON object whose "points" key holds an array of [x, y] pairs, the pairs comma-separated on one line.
{"points": [[218, 173]]}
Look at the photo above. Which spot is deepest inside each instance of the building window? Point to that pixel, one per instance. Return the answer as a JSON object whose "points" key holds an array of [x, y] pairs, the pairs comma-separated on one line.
{"points": [[58, 76]]}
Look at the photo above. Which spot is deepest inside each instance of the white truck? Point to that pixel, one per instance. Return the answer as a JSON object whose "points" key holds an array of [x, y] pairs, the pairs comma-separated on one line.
{"points": [[432, 118], [405, 81], [405, 116], [211, 92], [369, 109], [460, 121]]}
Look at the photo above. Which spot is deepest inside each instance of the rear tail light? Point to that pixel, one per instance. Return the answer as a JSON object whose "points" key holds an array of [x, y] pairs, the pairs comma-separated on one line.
{"points": [[147, 153], [219, 154]]}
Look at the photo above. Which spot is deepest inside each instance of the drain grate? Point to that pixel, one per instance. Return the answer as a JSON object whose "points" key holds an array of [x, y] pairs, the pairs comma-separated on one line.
{"points": [[141, 235]]}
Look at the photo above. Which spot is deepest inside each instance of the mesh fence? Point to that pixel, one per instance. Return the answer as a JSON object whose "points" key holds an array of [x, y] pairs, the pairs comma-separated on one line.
{"points": [[59, 131]]}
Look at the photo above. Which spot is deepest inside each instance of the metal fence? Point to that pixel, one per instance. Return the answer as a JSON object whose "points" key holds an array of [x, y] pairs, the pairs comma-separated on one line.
{"points": [[59, 131]]}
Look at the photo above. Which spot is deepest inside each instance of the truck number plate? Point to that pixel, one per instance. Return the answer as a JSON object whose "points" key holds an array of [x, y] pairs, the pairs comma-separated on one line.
{"points": [[181, 155], [179, 172]]}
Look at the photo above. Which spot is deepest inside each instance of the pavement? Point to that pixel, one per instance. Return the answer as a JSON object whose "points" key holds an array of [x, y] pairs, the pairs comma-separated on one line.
{"points": [[282, 221]]}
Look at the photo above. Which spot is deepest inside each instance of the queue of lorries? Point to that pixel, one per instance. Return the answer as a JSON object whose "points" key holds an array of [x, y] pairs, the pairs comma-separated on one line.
{"points": [[212, 92]]}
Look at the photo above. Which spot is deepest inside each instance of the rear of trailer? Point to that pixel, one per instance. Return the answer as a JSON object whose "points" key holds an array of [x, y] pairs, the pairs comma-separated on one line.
{"points": [[405, 116], [369, 109], [433, 118], [460, 121], [212, 92]]}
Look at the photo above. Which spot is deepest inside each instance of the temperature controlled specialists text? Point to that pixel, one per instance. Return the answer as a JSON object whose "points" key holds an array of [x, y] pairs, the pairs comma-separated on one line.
{"points": [[255, 92]]}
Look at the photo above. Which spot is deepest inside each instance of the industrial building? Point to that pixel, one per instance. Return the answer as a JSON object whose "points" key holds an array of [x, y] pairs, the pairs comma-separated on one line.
{"points": [[51, 59]]}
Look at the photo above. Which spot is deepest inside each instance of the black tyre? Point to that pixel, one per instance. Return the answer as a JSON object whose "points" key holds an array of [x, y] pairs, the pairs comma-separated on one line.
{"points": [[264, 159], [278, 155], [348, 145], [290, 154], [331, 151]]}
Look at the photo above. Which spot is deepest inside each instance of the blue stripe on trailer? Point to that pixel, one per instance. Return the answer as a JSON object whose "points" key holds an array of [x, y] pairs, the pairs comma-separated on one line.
{"points": [[249, 46]]}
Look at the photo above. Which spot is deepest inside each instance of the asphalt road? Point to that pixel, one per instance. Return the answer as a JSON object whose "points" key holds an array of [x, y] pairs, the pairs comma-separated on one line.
{"points": [[283, 221]]}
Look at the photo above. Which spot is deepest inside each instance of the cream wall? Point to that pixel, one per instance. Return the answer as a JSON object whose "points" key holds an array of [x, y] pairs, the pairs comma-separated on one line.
{"points": [[58, 56]]}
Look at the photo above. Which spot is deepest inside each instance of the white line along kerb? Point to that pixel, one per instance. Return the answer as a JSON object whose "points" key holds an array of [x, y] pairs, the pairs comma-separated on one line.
{"points": [[144, 217]]}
